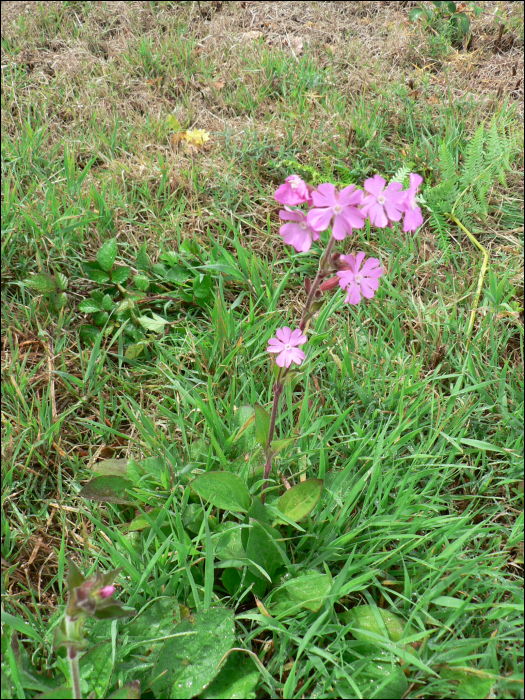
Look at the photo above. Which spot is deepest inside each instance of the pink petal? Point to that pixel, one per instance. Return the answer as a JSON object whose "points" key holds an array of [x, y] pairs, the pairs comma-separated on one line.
{"points": [[338, 228], [319, 219], [392, 211], [281, 359], [291, 215], [353, 218], [366, 290], [350, 261], [359, 259], [372, 268], [377, 216], [324, 195], [349, 195], [415, 181], [354, 295], [297, 355], [297, 337], [375, 185], [413, 220], [345, 278]]}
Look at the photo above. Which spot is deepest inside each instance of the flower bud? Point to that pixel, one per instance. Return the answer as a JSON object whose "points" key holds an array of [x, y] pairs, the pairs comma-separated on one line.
{"points": [[329, 284], [307, 284], [106, 592], [318, 294]]}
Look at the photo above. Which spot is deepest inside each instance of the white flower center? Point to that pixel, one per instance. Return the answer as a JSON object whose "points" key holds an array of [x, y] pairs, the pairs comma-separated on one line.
{"points": [[337, 209], [302, 225], [358, 279], [381, 199], [287, 346], [294, 185]]}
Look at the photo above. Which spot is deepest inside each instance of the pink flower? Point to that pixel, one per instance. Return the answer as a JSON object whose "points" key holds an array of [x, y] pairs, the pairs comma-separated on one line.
{"points": [[413, 215], [293, 191], [340, 206], [286, 345], [360, 280], [383, 205], [106, 592], [299, 234]]}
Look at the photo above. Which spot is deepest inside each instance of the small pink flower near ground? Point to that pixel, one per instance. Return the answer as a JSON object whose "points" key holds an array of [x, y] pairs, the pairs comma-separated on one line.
{"points": [[299, 233], [341, 206], [286, 345], [293, 191], [383, 204], [360, 281], [413, 216]]}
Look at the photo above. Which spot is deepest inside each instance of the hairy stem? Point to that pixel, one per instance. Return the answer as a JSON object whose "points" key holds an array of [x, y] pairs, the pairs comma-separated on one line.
{"points": [[72, 655], [325, 260], [279, 384]]}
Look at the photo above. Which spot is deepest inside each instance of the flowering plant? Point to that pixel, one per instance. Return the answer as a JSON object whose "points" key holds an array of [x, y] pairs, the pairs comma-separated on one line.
{"points": [[343, 210]]}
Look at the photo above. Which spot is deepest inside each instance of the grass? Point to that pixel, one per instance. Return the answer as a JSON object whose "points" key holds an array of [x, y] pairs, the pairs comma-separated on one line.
{"points": [[412, 420]]}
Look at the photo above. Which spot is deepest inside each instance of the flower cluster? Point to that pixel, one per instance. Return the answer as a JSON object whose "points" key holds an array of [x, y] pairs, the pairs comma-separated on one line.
{"points": [[344, 210]]}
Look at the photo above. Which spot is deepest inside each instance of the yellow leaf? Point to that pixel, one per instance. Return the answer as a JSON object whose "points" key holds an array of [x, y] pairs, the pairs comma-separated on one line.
{"points": [[197, 136], [173, 123]]}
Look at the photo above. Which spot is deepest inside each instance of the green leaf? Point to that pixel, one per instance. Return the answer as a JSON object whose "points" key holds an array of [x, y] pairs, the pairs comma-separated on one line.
{"points": [[95, 273], [155, 324], [237, 678], [415, 14], [100, 318], [21, 626], [107, 302], [96, 668], [471, 685], [202, 287], [89, 334], [62, 693], [113, 611], [129, 691], [364, 620], [229, 544], [111, 467], [264, 549], [141, 522], [61, 281], [60, 301], [141, 282], [438, 4], [143, 262], [190, 245], [178, 274], [8, 689], [107, 489], [223, 490], [187, 664], [155, 622], [41, 283], [451, 7], [88, 306], [278, 445], [244, 427], [74, 575], [464, 23], [107, 255], [173, 122], [120, 274], [156, 467], [126, 304], [307, 591], [301, 499], [135, 350], [262, 425]]}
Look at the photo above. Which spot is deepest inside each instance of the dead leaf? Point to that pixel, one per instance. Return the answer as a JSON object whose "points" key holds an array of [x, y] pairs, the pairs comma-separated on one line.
{"points": [[296, 44], [252, 35], [218, 84], [197, 137]]}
